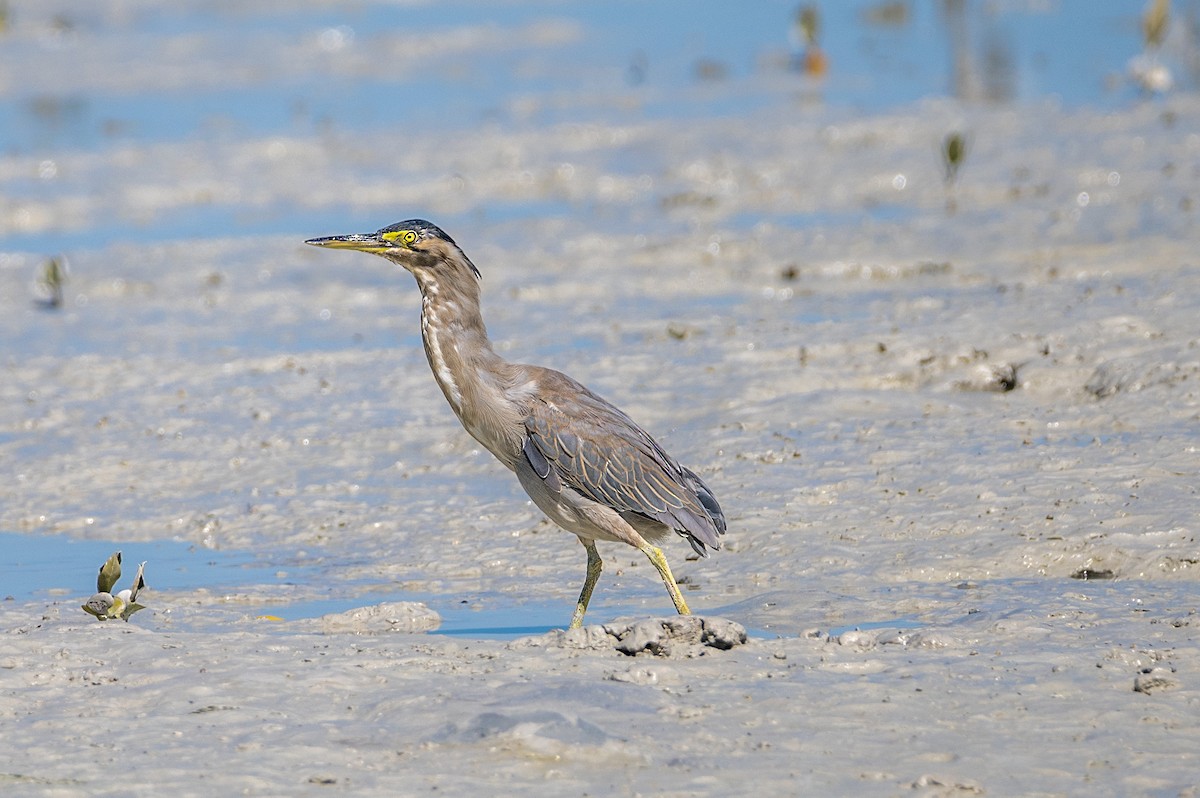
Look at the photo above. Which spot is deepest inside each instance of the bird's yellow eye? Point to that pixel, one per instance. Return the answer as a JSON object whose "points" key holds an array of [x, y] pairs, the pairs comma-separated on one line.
{"points": [[406, 237]]}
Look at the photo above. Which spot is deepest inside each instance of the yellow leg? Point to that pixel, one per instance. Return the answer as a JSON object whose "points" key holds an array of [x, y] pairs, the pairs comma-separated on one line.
{"points": [[660, 563], [594, 566]]}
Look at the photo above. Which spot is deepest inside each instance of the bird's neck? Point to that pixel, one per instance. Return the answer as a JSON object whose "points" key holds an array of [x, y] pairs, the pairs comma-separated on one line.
{"points": [[474, 379]]}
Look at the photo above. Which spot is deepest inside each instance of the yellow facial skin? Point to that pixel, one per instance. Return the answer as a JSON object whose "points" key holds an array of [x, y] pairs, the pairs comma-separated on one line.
{"points": [[405, 238], [368, 242]]}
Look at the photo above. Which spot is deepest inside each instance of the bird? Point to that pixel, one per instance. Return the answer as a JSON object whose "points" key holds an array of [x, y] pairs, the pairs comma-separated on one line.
{"points": [[585, 464], [105, 604]]}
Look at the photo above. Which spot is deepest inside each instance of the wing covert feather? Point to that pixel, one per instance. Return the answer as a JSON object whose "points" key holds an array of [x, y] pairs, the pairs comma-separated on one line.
{"points": [[576, 437]]}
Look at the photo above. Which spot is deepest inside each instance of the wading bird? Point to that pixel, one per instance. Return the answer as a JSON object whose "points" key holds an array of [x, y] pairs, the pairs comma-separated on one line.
{"points": [[584, 463]]}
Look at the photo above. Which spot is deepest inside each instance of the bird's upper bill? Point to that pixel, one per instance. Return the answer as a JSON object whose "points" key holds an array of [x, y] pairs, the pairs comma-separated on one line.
{"points": [[366, 242]]}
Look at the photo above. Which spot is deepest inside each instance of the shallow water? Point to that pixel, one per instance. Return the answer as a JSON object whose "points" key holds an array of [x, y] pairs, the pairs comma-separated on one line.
{"points": [[329, 72], [48, 566], [929, 407]]}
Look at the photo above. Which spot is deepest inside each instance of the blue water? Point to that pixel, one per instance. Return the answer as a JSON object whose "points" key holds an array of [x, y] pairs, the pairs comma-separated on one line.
{"points": [[1065, 50], [45, 566], [631, 61], [865, 626], [62, 568]]}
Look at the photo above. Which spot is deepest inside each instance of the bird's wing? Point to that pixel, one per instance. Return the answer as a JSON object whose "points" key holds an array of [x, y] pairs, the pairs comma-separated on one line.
{"points": [[139, 582], [110, 572], [576, 437], [131, 602]]}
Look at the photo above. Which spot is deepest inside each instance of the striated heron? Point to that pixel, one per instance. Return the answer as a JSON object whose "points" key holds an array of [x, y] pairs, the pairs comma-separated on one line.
{"points": [[584, 463]]}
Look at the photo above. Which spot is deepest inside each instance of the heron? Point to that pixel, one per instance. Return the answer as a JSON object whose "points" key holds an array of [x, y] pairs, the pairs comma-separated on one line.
{"points": [[585, 464]]}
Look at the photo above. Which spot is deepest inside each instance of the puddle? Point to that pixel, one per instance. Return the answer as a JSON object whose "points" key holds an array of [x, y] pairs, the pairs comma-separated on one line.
{"points": [[501, 623], [51, 566], [58, 567], [54, 567], [898, 623], [496, 632]]}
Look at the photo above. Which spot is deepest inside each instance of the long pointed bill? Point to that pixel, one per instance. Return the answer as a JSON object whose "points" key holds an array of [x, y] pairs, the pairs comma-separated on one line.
{"points": [[364, 242]]}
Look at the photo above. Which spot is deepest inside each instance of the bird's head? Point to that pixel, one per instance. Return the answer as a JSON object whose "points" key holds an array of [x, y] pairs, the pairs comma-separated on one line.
{"points": [[416, 245]]}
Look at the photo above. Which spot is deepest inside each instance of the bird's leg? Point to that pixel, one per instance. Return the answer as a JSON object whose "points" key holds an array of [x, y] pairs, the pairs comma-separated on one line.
{"points": [[594, 566], [660, 563]]}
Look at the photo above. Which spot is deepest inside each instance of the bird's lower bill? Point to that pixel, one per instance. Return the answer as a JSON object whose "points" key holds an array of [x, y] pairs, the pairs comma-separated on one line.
{"points": [[364, 242]]}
